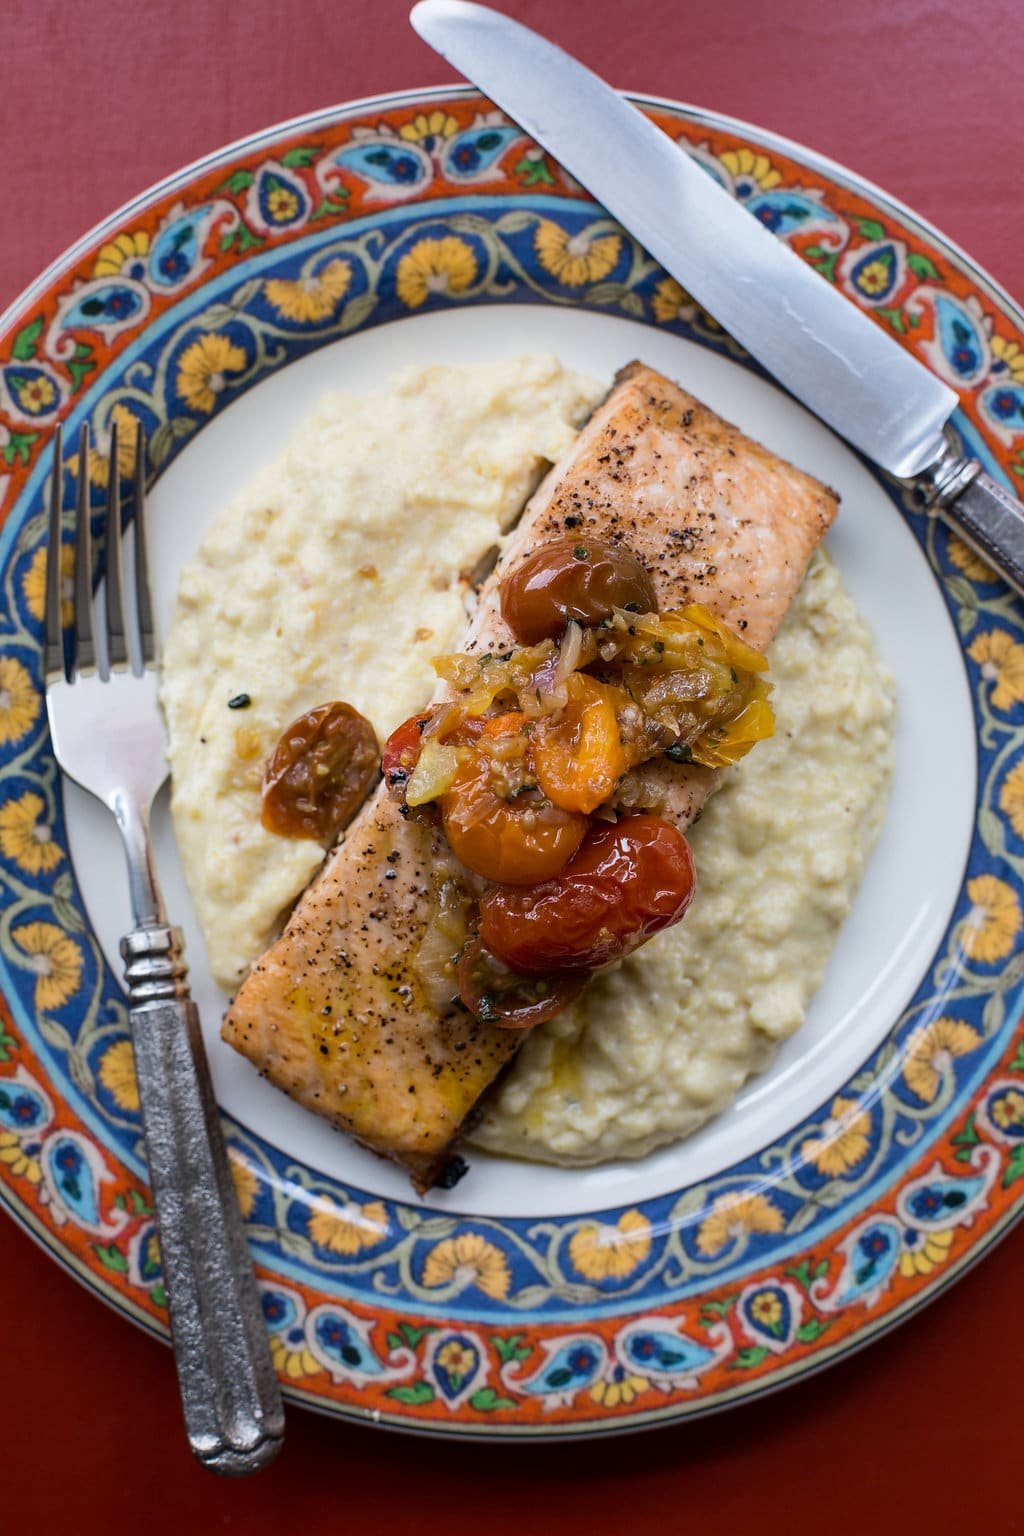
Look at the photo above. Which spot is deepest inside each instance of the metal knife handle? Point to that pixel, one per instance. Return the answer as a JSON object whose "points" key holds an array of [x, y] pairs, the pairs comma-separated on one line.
{"points": [[985, 515], [229, 1389]]}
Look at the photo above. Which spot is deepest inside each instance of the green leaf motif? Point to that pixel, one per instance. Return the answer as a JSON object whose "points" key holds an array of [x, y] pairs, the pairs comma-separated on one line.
{"points": [[719, 1308], [486, 1400], [18, 446], [24, 345], [748, 1358], [534, 172], [140, 1206], [871, 229], [159, 1297], [1017, 1064], [7, 1045], [334, 202], [801, 1273], [394, 1342], [79, 371], [419, 1392], [239, 181], [922, 266], [413, 1336], [511, 1348], [812, 1329], [111, 1257], [895, 319], [301, 155], [1015, 1167]]}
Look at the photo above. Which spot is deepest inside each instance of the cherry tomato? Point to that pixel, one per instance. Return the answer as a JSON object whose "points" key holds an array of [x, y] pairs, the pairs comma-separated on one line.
{"points": [[497, 995], [628, 880], [580, 756], [582, 579], [402, 752], [318, 775], [503, 831]]}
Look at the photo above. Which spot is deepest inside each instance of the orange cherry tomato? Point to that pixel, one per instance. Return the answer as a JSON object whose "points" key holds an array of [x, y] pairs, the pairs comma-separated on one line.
{"points": [[580, 757], [502, 829], [319, 773], [627, 881], [497, 995], [583, 579]]}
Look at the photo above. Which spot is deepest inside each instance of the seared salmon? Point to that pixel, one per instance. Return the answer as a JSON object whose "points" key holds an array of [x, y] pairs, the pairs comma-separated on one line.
{"points": [[335, 1012]]}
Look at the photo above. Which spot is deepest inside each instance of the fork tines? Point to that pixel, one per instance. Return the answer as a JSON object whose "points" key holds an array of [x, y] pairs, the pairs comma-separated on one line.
{"points": [[129, 632]]}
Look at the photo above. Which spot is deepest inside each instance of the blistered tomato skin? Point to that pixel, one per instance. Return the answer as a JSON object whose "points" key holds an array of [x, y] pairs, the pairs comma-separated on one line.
{"points": [[496, 995], [402, 752], [319, 773], [577, 579], [516, 841], [627, 881]]}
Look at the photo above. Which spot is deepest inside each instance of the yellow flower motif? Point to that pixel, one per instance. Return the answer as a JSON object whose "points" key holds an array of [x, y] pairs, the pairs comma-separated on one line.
{"points": [[1011, 798], [121, 253], [247, 1184], [611, 1393], [55, 959], [874, 278], [309, 299], [347, 1228], [19, 701], [455, 1358], [732, 1216], [437, 125], [292, 1363], [1002, 662], [1008, 1111], [1010, 354], [435, 266], [934, 1250], [151, 1260], [751, 167], [993, 922], [575, 259], [843, 1141], [468, 1259], [33, 584], [99, 448], [282, 204], [17, 1159], [767, 1308], [203, 369], [972, 565], [603, 1252], [670, 301], [26, 839], [117, 1074], [930, 1050], [35, 394]]}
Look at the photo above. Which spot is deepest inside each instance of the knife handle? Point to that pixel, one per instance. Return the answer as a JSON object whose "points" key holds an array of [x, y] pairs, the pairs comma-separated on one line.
{"points": [[986, 516]]}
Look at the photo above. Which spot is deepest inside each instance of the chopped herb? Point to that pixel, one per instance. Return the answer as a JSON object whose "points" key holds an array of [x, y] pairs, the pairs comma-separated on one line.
{"points": [[659, 646], [679, 752], [486, 1011], [581, 552], [240, 701], [733, 674], [422, 724]]}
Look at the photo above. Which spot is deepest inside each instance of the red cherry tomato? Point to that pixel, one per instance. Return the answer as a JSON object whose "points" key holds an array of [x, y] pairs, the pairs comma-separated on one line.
{"points": [[497, 995], [583, 579], [402, 753], [319, 773], [626, 882], [517, 840]]}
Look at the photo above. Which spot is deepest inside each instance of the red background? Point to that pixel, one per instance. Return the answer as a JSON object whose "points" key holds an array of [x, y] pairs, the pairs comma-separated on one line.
{"points": [[921, 1431]]}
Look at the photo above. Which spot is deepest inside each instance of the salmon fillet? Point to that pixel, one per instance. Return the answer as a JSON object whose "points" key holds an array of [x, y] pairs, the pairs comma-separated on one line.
{"points": [[334, 1012]]}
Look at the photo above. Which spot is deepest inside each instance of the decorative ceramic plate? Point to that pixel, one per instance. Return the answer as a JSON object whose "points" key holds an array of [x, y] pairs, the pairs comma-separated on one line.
{"points": [[884, 1150]]}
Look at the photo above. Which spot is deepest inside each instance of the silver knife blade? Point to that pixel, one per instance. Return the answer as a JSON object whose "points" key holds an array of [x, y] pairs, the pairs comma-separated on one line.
{"points": [[816, 342]]}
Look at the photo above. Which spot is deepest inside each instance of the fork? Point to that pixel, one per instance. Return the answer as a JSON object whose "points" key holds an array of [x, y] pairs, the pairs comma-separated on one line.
{"points": [[101, 699]]}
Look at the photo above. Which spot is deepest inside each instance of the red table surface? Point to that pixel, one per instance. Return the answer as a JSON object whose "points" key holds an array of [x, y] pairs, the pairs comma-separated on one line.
{"points": [[921, 1431]]}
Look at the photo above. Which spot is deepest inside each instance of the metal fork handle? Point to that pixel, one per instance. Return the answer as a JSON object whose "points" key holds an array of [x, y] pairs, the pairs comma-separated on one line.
{"points": [[229, 1391]]}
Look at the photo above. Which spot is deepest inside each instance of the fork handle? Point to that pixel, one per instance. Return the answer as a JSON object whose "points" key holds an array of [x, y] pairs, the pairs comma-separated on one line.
{"points": [[229, 1389]]}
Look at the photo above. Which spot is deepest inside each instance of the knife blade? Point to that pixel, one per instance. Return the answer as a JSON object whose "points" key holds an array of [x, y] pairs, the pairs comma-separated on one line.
{"points": [[816, 342]]}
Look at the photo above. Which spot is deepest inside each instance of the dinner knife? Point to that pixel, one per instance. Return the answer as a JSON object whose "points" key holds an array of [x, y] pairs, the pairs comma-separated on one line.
{"points": [[816, 342]]}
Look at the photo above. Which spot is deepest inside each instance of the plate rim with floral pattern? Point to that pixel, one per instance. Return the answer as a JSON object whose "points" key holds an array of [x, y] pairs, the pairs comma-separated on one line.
{"points": [[382, 1310]]}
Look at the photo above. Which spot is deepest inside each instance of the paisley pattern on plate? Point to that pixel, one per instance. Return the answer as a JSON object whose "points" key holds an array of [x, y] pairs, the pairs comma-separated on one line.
{"points": [[374, 1306]]}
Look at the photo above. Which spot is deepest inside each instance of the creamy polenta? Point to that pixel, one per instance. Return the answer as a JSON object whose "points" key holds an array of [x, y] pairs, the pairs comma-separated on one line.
{"points": [[339, 571]]}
